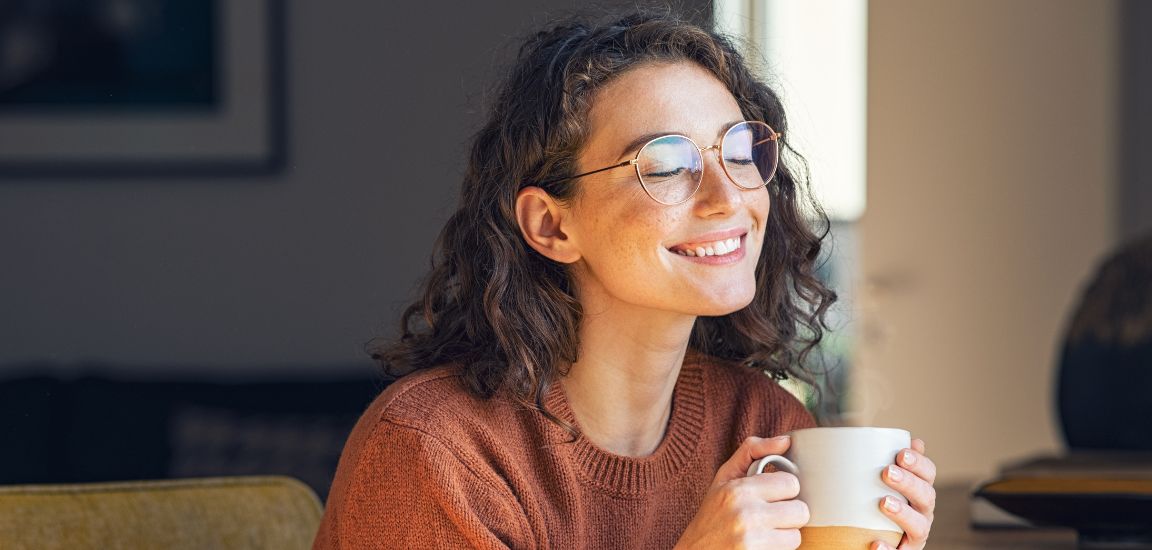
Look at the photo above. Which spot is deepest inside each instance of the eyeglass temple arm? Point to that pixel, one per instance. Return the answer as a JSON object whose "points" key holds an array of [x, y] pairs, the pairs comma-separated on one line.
{"points": [[774, 137], [605, 169]]}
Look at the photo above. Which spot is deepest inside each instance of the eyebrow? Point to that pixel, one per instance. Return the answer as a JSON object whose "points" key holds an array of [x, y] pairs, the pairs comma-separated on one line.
{"points": [[643, 139]]}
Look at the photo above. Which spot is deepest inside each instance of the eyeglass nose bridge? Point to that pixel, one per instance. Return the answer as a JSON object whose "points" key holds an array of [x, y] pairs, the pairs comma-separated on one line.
{"points": [[719, 161], [703, 150], [716, 147], [719, 148]]}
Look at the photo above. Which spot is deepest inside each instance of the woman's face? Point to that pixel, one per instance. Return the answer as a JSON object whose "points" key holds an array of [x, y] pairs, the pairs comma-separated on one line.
{"points": [[630, 244]]}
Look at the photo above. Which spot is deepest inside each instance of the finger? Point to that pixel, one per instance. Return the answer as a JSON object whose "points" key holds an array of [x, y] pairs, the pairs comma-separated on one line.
{"points": [[918, 464], [787, 514], [914, 524], [751, 450], [918, 445], [920, 494], [769, 487]]}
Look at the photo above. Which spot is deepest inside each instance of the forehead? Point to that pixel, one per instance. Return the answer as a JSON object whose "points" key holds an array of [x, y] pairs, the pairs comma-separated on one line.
{"points": [[674, 97]]}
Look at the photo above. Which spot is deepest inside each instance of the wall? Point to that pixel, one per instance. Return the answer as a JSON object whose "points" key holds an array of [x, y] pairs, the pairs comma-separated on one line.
{"points": [[1135, 196], [992, 164], [296, 269]]}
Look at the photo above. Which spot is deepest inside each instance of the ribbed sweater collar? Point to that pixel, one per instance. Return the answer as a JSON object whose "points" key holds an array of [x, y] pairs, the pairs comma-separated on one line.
{"points": [[630, 476]]}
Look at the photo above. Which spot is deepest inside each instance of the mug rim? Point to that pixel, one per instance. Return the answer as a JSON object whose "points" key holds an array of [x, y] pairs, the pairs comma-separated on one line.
{"points": [[852, 428]]}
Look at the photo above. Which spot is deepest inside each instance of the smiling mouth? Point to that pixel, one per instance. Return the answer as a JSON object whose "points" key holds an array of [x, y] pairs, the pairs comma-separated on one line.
{"points": [[713, 248]]}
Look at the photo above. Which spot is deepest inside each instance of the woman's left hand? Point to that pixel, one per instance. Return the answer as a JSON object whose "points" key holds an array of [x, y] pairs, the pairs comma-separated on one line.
{"points": [[911, 476]]}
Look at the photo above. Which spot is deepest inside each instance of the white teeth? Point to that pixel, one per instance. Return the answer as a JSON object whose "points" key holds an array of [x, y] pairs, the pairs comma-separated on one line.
{"points": [[718, 248]]}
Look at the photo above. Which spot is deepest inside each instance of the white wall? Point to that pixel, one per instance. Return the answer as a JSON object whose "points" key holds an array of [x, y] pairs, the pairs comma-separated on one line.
{"points": [[991, 167]]}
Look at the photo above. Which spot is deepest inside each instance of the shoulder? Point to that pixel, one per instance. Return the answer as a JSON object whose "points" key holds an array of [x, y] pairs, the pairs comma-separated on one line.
{"points": [[425, 443], [753, 393], [430, 419], [434, 401]]}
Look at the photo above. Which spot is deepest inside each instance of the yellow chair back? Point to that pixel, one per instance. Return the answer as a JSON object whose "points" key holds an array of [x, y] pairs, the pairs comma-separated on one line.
{"points": [[226, 513]]}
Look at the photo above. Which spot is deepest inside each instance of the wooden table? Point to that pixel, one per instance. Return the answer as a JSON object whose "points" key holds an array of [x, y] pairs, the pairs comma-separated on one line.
{"points": [[951, 530]]}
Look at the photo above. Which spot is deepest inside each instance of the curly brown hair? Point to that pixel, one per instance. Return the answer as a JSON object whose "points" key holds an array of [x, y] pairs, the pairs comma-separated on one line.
{"points": [[507, 314]]}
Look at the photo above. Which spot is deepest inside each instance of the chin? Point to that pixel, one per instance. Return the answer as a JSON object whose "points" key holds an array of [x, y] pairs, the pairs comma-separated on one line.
{"points": [[724, 305]]}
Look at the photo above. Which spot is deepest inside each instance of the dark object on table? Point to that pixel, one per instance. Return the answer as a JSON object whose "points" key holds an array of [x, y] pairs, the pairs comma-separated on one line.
{"points": [[1105, 379], [1106, 497], [1103, 486], [100, 427]]}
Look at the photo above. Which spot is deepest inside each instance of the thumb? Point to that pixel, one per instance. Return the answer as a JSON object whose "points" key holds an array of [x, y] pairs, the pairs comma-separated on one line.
{"points": [[751, 450]]}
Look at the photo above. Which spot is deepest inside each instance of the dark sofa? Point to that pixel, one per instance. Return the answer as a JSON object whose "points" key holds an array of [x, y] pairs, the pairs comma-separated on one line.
{"points": [[100, 427]]}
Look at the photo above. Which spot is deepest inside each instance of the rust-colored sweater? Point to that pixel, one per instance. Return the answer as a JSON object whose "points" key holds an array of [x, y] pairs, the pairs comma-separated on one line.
{"points": [[429, 465]]}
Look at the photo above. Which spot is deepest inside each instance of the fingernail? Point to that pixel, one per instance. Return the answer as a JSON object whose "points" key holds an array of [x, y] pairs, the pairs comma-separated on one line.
{"points": [[909, 458], [782, 438], [894, 473], [882, 546], [891, 504]]}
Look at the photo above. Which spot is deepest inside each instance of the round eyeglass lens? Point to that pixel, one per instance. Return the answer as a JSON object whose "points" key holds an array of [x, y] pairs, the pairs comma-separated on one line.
{"points": [[750, 153], [670, 168]]}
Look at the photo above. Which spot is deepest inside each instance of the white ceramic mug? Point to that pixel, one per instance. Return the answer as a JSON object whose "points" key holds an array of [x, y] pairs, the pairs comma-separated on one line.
{"points": [[839, 471]]}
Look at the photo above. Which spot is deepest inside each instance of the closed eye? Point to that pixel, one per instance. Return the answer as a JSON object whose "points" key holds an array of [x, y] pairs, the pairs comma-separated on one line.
{"points": [[666, 174]]}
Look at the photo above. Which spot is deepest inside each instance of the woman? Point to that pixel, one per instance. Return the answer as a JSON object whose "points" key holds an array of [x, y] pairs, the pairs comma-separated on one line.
{"points": [[587, 368]]}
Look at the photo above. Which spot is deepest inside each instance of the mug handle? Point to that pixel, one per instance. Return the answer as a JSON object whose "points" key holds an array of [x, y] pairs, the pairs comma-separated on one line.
{"points": [[780, 462]]}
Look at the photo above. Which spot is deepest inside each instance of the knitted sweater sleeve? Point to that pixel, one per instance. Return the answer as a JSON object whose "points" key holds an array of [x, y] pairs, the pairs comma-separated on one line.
{"points": [[408, 489]]}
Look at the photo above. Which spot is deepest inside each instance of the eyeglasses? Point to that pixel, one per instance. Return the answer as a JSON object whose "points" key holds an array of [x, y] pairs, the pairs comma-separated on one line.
{"points": [[671, 167]]}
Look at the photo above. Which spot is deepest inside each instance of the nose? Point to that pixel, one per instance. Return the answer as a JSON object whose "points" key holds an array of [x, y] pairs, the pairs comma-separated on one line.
{"points": [[717, 194]]}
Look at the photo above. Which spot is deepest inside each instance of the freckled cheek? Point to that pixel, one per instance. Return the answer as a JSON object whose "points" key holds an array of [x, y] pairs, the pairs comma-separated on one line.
{"points": [[632, 229], [629, 247], [633, 250], [643, 228], [764, 205], [762, 210]]}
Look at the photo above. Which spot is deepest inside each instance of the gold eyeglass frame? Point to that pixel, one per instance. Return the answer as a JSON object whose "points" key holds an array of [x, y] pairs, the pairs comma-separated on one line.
{"points": [[773, 136]]}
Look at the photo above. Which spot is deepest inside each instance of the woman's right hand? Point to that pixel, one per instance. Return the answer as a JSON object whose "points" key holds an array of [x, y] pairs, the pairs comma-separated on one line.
{"points": [[741, 511]]}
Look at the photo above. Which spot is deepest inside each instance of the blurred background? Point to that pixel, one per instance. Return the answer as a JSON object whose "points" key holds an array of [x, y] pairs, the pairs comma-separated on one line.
{"points": [[207, 208]]}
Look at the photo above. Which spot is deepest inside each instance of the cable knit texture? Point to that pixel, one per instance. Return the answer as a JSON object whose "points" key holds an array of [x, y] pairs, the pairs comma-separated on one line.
{"points": [[430, 465]]}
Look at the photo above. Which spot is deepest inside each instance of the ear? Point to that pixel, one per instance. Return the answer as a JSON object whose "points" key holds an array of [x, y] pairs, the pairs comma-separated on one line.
{"points": [[541, 223]]}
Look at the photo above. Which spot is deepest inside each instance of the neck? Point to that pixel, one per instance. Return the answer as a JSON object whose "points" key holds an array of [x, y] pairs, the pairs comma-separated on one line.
{"points": [[620, 389]]}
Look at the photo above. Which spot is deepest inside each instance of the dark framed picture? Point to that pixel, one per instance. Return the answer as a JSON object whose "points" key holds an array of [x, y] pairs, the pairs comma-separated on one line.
{"points": [[94, 87]]}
